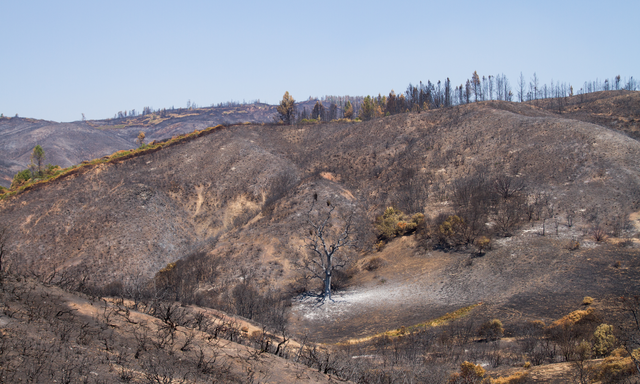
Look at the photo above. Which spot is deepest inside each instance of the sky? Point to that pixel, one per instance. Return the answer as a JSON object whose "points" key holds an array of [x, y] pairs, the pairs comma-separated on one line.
{"points": [[61, 59]]}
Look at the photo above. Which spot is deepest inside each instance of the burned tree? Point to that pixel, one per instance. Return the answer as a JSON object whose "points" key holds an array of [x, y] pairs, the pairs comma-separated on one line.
{"points": [[507, 186], [3, 244], [324, 241]]}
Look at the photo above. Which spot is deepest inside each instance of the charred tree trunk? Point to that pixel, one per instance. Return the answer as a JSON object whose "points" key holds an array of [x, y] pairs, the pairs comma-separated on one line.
{"points": [[324, 245]]}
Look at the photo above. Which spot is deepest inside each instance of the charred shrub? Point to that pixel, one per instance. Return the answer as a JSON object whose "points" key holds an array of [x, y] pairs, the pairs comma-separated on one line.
{"points": [[374, 263], [491, 330]]}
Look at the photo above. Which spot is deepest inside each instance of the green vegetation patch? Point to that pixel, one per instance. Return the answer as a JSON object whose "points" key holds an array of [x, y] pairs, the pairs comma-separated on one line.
{"points": [[57, 173], [442, 320]]}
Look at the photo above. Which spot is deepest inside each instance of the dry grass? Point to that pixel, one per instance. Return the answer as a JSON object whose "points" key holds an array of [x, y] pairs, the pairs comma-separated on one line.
{"points": [[572, 317], [440, 321]]}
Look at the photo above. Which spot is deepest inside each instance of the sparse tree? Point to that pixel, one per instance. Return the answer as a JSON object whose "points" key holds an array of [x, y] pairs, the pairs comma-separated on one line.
{"points": [[535, 82], [333, 112], [447, 93], [37, 160], [348, 110], [507, 186], [3, 250], [324, 241], [318, 111], [467, 92], [630, 326], [521, 88], [140, 139], [367, 109], [477, 87], [490, 80], [286, 109]]}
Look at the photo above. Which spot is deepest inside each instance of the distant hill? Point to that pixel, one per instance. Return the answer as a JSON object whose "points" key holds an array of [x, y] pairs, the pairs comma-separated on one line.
{"points": [[66, 144], [618, 110]]}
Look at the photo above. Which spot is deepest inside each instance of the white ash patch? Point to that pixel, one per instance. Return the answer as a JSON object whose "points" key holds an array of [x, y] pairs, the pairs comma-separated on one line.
{"points": [[383, 295]]}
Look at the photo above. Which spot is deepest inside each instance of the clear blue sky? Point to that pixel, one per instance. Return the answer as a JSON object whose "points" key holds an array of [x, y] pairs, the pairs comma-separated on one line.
{"points": [[59, 59]]}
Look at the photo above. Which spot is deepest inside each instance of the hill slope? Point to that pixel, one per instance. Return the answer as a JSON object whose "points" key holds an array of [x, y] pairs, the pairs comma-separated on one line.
{"points": [[67, 144], [241, 195], [49, 335]]}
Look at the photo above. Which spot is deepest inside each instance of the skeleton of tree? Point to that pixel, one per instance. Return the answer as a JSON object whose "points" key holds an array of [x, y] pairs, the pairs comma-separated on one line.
{"points": [[324, 246]]}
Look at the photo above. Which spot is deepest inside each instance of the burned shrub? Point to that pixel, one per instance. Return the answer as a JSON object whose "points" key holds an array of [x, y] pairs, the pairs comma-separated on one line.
{"points": [[491, 330], [374, 263]]}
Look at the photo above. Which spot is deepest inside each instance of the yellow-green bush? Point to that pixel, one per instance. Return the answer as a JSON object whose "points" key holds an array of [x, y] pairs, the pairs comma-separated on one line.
{"points": [[451, 233], [603, 340], [587, 300], [614, 370], [516, 378], [483, 243], [469, 373], [394, 222]]}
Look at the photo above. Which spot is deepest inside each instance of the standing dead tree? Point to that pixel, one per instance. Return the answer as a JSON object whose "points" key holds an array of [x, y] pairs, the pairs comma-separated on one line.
{"points": [[507, 186], [629, 327], [324, 242], [3, 245]]}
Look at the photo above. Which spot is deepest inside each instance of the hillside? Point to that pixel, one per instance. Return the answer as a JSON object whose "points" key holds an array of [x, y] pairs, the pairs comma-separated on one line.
{"points": [[618, 110], [160, 207], [232, 205], [50, 335], [67, 144]]}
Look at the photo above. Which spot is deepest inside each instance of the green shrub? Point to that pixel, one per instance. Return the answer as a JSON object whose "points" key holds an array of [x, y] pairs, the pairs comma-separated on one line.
{"points": [[394, 222], [310, 121], [603, 340], [615, 370], [51, 169], [451, 233], [483, 243], [21, 178], [469, 373]]}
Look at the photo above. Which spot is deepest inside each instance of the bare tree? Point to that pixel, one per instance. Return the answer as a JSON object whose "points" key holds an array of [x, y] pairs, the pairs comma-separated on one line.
{"points": [[3, 245], [507, 186], [630, 327], [521, 90], [536, 86], [324, 244]]}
